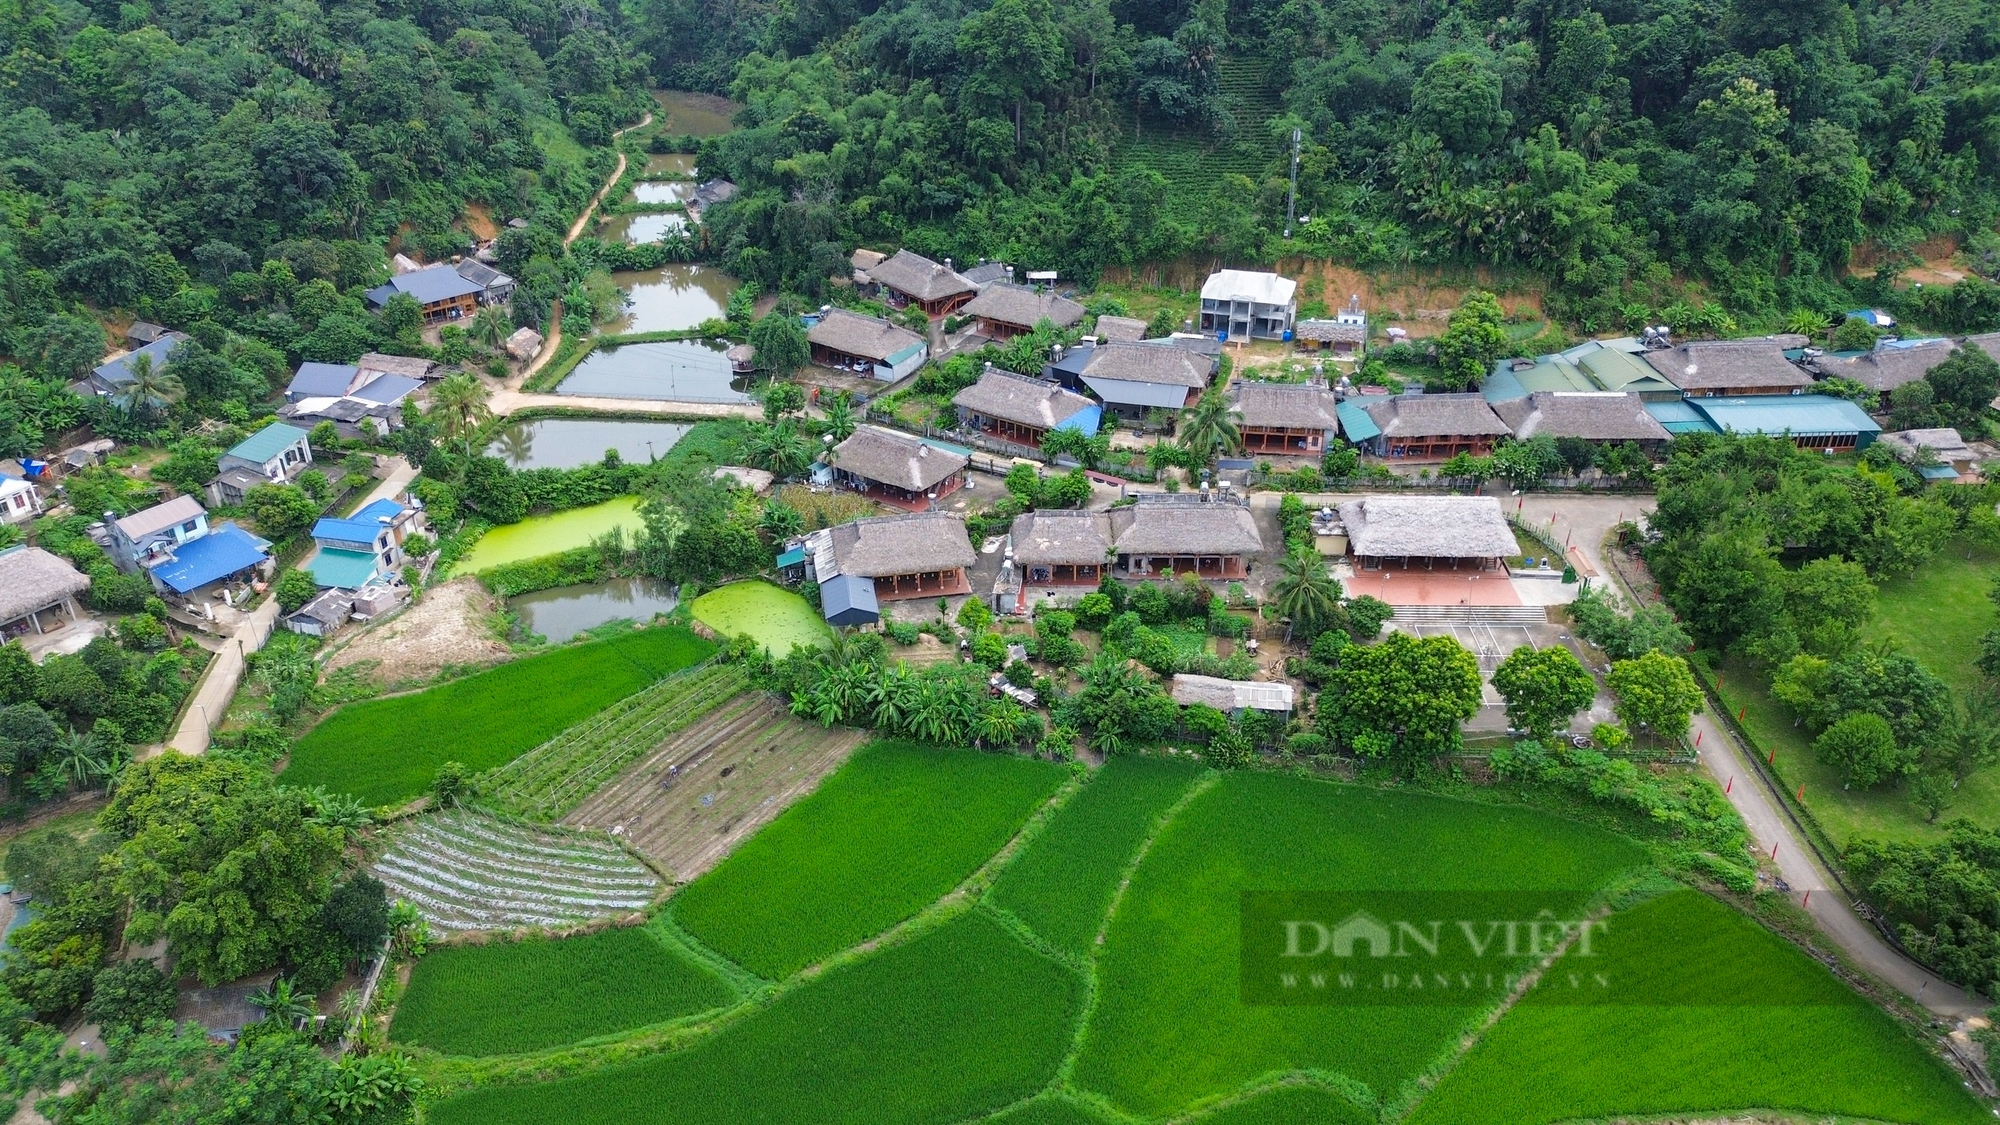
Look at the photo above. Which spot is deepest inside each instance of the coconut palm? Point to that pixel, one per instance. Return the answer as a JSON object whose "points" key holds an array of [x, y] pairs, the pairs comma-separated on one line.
{"points": [[459, 403], [281, 1004], [1210, 426], [152, 388], [1306, 592], [490, 328], [840, 416]]}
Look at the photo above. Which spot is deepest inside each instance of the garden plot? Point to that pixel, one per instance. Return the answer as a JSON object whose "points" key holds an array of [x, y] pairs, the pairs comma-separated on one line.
{"points": [[466, 871], [716, 782], [556, 776]]}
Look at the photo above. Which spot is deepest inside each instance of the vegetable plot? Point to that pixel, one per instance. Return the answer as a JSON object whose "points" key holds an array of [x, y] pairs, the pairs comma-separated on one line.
{"points": [[468, 871]]}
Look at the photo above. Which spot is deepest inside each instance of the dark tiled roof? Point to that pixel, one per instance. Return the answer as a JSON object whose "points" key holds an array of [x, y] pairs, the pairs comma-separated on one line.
{"points": [[1301, 406], [429, 285], [1722, 365], [1018, 304], [481, 274], [850, 333], [919, 277], [316, 380], [1591, 415], [885, 545], [118, 372], [1018, 398], [1434, 415], [894, 458]]}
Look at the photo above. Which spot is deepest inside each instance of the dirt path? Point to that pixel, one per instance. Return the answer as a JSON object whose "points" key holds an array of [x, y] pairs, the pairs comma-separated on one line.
{"points": [[445, 628], [554, 339]]}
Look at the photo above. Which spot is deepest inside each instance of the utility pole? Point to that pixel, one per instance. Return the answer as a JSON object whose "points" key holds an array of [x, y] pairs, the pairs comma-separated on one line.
{"points": [[1292, 203]]}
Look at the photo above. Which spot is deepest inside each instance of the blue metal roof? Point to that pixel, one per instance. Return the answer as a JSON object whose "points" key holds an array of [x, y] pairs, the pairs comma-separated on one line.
{"points": [[1355, 424], [1938, 472], [321, 380], [441, 282], [363, 526], [268, 442], [333, 568], [1799, 415], [118, 372], [1677, 417], [849, 599], [224, 551], [1085, 421]]}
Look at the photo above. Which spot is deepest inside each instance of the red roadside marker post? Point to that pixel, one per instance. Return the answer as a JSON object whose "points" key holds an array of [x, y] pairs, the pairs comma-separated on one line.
{"points": [[1730, 786], [1802, 792], [1774, 853], [1772, 758], [1808, 899]]}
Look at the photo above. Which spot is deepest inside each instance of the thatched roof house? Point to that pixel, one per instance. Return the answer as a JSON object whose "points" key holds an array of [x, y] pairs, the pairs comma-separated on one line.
{"points": [[1005, 311], [1120, 328], [1427, 527], [907, 467], [1230, 696], [1606, 416], [1889, 366], [1735, 367], [1023, 409], [33, 581], [934, 286], [1211, 536], [890, 545], [1048, 537]]}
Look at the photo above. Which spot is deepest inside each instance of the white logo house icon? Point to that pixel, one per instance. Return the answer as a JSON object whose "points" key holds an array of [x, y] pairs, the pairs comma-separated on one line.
{"points": [[1359, 928]]}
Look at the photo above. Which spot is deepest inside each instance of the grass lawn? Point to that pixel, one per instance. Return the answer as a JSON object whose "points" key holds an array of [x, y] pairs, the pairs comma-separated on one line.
{"points": [[893, 830], [1939, 613], [506, 997], [961, 1019], [1062, 882], [386, 751], [1171, 1028], [774, 617], [1715, 1015]]}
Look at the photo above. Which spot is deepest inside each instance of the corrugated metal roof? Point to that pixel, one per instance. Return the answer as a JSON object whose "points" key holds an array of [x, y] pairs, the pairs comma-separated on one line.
{"points": [[1801, 415], [1677, 417], [222, 552], [268, 442], [1355, 424]]}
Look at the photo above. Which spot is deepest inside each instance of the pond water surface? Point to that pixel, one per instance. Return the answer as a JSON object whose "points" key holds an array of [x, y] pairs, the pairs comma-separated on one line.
{"points": [[774, 617], [562, 613], [681, 162], [662, 191], [676, 296], [642, 228], [552, 534], [565, 443], [681, 370], [703, 115]]}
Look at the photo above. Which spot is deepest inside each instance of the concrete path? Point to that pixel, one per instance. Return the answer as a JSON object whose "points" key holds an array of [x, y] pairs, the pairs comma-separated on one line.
{"points": [[213, 693], [506, 402]]}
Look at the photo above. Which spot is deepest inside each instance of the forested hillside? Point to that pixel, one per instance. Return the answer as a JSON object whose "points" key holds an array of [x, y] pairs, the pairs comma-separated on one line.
{"points": [[1618, 148], [205, 164]]}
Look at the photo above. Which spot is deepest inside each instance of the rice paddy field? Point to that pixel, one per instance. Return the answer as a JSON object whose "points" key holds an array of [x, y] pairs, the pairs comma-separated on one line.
{"points": [[386, 751], [1003, 1005], [507, 997], [901, 824]]}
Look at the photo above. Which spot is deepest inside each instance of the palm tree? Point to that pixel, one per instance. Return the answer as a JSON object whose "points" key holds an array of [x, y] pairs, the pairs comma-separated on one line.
{"points": [[152, 388], [490, 328], [1306, 592], [339, 810], [1806, 322], [840, 416], [1210, 426], [281, 1005], [780, 448], [80, 757], [459, 402]]}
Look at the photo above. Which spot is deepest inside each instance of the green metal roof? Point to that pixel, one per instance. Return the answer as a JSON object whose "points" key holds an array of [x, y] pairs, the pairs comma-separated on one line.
{"points": [[793, 557], [1678, 417], [1622, 371], [1355, 424], [267, 442], [347, 570]]}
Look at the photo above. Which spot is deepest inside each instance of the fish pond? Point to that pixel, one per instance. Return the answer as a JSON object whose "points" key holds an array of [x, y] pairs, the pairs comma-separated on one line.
{"points": [[680, 370], [775, 618], [566, 611], [565, 443], [679, 163], [673, 298], [700, 115], [662, 191], [642, 228], [549, 535]]}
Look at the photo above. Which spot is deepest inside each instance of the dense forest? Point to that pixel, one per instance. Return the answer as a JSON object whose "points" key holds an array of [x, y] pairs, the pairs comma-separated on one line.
{"points": [[1619, 149]]}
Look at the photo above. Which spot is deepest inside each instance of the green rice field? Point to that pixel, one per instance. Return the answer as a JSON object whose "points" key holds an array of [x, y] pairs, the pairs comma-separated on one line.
{"points": [[386, 751], [550, 535], [934, 1030], [773, 617], [1002, 1007], [896, 828], [505, 997], [1723, 1014]]}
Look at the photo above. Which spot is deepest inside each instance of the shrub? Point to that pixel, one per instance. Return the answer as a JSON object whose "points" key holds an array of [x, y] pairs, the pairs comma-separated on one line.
{"points": [[1863, 748], [128, 994], [294, 589]]}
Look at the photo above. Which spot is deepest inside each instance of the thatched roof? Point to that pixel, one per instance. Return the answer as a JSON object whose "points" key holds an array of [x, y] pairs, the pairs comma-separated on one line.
{"points": [[869, 337], [1180, 524], [1887, 368], [32, 579], [1731, 365], [1018, 398], [886, 545], [1988, 342], [1043, 538], [1590, 415], [1435, 527], [1149, 363], [1230, 695], [1329, 331], [917, 276], [1946, 445], [409, 366], [1403, 416], [1120, 328], [1300, 406], [894, 458], [1020, 305]]}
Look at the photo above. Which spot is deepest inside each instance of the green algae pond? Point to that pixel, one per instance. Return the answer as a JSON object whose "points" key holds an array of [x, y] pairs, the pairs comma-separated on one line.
{"points": [[551, 534], [773, 617]]}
